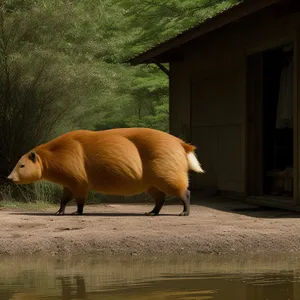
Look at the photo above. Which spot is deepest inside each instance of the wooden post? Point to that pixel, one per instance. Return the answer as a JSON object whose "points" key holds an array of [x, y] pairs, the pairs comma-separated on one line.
{"points": [[296, 120]]}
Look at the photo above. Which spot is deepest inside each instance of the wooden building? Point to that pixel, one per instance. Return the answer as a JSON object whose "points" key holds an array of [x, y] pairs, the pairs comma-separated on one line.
{"points": [[234, 92]]}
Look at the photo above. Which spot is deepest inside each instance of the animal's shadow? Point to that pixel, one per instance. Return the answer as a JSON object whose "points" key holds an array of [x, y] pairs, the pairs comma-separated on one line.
{"points": [[91, 214]]}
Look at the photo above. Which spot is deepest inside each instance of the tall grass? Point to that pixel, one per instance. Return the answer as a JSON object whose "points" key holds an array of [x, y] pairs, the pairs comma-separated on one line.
{"points": [[41, 193]]}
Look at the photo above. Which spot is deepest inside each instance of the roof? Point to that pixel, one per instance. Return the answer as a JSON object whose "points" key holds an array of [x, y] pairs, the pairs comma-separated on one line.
{"points": [[233, 14]]}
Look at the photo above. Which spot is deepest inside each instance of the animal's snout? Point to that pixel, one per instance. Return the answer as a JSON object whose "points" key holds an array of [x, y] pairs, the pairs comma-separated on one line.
{"points": [[11, 178]]}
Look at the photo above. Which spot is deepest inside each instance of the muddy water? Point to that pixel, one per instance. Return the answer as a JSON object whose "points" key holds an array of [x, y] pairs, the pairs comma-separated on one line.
{"points": [[204, 277]]}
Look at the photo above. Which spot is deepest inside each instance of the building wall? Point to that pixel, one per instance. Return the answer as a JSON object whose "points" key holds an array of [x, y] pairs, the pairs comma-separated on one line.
{"points": [[214, 83], [180, 104], [217, 129]]}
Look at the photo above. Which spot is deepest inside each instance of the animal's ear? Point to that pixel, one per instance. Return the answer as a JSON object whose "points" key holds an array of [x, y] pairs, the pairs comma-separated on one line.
{"points": [[32, 156]]}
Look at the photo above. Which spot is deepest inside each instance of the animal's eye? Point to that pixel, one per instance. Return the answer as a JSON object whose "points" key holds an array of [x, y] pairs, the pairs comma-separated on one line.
{"points": [[22, 166]]}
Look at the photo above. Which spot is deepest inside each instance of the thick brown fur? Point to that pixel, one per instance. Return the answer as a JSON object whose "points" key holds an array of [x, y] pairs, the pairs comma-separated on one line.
{"points": [[124, 161]]}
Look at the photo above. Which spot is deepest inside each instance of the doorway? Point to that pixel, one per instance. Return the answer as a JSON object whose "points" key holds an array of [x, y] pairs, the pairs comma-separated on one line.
{"points": [[270, 122]]}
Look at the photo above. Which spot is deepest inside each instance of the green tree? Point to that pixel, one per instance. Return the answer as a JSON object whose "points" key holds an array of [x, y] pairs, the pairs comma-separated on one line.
{"points": [[153, 21]]}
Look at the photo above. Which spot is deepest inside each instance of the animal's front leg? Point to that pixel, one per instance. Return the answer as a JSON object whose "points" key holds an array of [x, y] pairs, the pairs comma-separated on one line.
{"points": [[80, 196]]}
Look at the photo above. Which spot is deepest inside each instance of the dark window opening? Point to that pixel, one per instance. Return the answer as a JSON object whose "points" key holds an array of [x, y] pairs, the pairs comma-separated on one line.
{"points": [[278, 122]]}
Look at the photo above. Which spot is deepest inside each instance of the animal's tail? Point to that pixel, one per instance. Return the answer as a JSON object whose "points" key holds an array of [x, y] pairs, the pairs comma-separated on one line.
{"points": [[194, 164]]}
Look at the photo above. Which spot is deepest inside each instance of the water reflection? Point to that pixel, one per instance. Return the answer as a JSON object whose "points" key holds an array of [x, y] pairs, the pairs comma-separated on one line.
{"points": [[195, 279], [71, 290]]}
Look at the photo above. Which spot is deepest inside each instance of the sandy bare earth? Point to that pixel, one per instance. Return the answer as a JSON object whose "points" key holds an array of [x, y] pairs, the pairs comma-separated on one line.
{"points": [[216, 226]]}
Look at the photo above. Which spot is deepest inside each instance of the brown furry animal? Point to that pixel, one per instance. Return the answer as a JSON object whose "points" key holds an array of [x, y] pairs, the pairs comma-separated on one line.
{"points": [[125, 161]]}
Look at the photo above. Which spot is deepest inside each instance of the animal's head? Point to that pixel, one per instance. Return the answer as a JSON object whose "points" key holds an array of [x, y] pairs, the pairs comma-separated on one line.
{"points": [[27, 170]]}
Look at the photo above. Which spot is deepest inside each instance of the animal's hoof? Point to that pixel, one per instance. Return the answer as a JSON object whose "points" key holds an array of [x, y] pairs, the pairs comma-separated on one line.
{"points": [[184, 213], [59, 213], [76, 213], [150, 213]]}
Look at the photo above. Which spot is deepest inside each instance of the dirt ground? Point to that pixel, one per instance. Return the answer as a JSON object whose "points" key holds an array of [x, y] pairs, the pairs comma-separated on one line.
{"points": [[216, 225]]}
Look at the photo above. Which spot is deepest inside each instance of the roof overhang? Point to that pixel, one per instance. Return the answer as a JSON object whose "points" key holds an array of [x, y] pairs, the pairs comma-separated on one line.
{"points": [[166, 51]]}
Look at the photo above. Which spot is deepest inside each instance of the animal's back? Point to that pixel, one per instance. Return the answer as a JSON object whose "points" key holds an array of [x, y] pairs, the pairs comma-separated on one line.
{"points": [[158, 150]]}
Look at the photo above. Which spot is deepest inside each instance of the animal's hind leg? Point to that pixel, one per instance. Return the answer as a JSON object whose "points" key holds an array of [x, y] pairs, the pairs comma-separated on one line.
{"points": [[185, 200], [159, 198], [67, 196], [177, 187]]}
